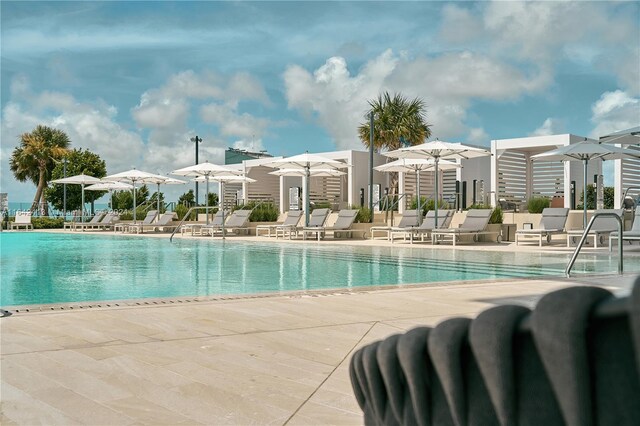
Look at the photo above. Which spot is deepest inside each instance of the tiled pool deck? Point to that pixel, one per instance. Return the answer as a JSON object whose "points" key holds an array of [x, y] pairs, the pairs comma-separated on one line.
{"points": [[270, 360]]}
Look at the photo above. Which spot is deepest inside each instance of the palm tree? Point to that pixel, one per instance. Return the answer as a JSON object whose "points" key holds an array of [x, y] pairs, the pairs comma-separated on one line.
{"points": [[35, 158], [397, 122]]}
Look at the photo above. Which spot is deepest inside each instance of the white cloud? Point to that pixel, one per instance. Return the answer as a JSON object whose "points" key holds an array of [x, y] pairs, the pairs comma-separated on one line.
{"points": [[477, 135], [165, 110], [338, 100], [90, 126], [232, 123], [542, 33], [550, 126], [614, 111]]}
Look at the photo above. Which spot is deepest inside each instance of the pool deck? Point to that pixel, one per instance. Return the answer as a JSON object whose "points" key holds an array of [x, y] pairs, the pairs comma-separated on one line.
{"points": [[281, 359]]}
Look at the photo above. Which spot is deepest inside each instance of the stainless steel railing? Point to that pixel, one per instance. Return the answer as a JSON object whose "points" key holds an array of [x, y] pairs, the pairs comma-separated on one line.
{"points": [[177, 228], [585, 234]]}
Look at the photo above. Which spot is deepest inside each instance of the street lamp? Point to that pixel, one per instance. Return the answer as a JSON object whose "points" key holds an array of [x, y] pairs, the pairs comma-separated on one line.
{"points": [[196, 140], [64, 186]]}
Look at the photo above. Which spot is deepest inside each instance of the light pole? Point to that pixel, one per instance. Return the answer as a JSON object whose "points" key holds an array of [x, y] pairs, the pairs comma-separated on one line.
{"points": [[196, 140], [64, 189]]}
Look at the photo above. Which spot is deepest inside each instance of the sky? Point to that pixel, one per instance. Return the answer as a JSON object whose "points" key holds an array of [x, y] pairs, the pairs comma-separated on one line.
{"points": [[134, 81]]}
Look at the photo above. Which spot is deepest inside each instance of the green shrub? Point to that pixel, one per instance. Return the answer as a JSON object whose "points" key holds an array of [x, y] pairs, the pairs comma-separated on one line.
{"points": [[364, 215], [47, 222], [427, 205], [591, 197], [496, 215], [181, 210], [537, 204], [262, 212]]}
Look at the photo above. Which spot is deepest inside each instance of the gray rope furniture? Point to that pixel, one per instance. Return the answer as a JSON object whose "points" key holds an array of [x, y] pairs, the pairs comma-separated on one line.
{"points": [[573, 360]]}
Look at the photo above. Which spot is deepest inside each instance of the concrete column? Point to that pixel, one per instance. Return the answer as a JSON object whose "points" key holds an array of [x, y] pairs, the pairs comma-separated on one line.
{"points": [[567, 186], [528, 176], [617, 183], [282, 195], [494, 173], [351, 184]]}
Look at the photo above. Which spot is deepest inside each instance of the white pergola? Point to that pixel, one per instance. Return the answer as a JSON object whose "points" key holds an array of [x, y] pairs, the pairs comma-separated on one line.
{"points": [[514, 177], [627, 171]]}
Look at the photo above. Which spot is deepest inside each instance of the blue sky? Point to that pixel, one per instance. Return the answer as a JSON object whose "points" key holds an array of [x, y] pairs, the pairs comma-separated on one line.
{"points": [[133, 81]]}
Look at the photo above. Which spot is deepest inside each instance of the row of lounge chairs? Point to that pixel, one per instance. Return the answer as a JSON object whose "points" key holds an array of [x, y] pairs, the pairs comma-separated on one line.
{"points": [[235, 222], [409, 227], [317, 227], [553, 222]]}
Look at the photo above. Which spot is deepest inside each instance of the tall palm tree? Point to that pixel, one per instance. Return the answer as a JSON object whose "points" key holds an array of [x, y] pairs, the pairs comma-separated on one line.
{"points": [[35, 158], [397, 122]]}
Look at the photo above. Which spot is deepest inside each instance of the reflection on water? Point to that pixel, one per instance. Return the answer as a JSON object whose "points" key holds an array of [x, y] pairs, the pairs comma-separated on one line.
{"points": [[47, 268]]}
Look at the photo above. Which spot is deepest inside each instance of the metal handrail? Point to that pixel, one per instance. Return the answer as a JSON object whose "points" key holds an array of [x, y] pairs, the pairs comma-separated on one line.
{"points": [[390, 207], [584, 238], [185, 218]]}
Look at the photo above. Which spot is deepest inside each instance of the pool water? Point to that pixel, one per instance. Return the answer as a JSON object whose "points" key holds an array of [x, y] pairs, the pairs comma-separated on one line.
{"points": [[40, 267]]}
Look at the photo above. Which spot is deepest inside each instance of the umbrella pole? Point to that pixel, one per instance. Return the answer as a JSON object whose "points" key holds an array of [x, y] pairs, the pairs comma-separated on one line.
{"points": [[207, 200], [584, 190], [82, 185], [134, 201], [306, 196], [221, 188], [158, 196], [418, 212], [437, 159]]}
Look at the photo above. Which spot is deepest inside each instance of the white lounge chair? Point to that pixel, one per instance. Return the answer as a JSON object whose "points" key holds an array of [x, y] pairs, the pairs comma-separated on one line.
{"points": [[291, 221], [22, 220], [631, 235], [95, 220], [602, 228], [236, 222], [409, 220], [108, 221], [552, 222], [475, 224], [70, 225], [426, 227], [148, 220], [163, 222], [196, 228], [343, 224]]}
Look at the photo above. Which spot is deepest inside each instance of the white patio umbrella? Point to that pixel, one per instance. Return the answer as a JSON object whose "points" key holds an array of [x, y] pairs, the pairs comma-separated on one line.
{"points": [[416, 165], [78, 180], [130, 176], [585, 151], [312, 172], [162, 180], [438, 150], [109, 186], [305, 162], [222, 179], [623, 137], [207, 169]]}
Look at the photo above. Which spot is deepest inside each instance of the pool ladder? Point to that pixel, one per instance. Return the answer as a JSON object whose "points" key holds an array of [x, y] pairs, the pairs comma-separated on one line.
{"points": [[584, 238]]}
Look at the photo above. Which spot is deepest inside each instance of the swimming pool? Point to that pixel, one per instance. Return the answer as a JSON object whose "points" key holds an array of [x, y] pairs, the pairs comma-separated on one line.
{"points": [[41, 268]]}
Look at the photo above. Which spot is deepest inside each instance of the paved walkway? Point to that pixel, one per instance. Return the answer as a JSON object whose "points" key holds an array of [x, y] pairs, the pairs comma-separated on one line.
{"points": [[269, 360]]}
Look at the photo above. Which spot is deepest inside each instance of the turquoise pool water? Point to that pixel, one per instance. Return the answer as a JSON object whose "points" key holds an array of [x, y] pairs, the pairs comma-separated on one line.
{"points": [[39, 268]]}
